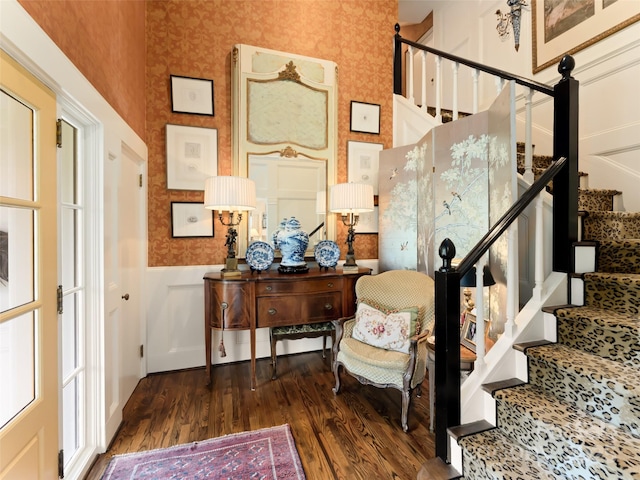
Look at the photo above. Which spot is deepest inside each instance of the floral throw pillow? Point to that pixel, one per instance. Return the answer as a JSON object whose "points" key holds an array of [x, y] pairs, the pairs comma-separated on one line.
{"points": [[390, 330]]}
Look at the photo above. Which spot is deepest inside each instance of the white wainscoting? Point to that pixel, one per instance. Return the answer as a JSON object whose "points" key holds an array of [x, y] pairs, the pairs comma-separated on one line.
{"points": [[175, 323]]}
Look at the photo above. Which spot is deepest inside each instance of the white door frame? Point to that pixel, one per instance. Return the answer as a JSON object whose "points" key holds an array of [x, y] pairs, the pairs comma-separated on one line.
{"points": [[93, 272], [24, 40]]}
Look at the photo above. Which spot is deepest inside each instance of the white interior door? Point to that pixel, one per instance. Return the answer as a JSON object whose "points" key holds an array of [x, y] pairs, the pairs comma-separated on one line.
{"points": [[28, 258], [124, 263]]}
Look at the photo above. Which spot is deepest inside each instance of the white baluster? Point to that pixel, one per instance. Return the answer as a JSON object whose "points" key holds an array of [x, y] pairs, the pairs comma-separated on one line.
{"points": [[512, 280], [410, 95], [475, 73], [528, 147], [439, 88], [479, 338], [424, 81], [455, 68], [499, 84], [539, 250]]}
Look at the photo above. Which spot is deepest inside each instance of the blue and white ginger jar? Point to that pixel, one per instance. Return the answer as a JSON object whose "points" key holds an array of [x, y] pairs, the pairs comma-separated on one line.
{"points": [[292, 242]]}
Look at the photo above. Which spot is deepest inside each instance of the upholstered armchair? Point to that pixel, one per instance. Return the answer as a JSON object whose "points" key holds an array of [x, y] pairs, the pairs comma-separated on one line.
{"points": [[385, 343]]}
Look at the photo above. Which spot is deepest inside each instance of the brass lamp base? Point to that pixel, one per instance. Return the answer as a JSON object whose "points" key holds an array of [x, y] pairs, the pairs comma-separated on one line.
{"points": [[231, 268], [350, 264], [349, 269]]}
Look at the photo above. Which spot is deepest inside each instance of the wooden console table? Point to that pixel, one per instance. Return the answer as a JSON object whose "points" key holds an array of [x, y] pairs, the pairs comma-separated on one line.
{"points": [[270, 299]]}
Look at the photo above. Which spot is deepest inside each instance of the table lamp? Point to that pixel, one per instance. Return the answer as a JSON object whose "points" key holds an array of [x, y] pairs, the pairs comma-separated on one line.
{"points": [[469, 281], [350, 200], [233, 195]]}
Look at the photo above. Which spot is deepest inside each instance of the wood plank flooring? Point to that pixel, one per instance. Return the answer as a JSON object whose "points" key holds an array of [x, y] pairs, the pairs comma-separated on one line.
{"points": [[353, 435]]}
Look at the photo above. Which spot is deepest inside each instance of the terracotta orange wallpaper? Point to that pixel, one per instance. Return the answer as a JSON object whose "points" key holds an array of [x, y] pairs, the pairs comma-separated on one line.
{"points": [[195, 39], [105, 40]]}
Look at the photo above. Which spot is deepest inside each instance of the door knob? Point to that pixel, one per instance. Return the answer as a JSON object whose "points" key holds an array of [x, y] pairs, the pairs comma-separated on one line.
{"points": [[125, 296]]}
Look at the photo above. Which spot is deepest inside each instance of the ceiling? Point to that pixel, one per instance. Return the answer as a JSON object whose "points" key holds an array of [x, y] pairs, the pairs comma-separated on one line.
{"points": [[413, 11]]}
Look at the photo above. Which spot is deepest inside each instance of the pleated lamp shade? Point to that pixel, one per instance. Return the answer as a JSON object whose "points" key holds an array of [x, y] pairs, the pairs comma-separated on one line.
{"points": [[351, 198], [230, 194]]}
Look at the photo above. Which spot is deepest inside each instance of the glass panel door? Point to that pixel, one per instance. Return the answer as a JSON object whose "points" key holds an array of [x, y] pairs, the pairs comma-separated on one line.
{"points": [[17, 333], [72, 331], [28, 320]]}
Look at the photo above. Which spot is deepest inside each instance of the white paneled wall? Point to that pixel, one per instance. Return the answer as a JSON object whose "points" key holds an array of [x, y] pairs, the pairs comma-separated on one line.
{"points": [[175, 323]]}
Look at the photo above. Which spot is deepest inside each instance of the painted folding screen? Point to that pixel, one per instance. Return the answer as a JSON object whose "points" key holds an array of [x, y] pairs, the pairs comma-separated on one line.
{"points": [[454, 183]]}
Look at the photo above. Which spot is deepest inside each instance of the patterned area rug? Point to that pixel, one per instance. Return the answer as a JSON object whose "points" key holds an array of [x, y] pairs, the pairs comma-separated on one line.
{"points": [[269, 453]]}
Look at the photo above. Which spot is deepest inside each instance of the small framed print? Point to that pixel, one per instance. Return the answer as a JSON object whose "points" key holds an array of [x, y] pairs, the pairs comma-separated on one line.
{"points": [[191, 219], [363, 163], [191, 95], [368, 222], [365, 117], [468, 332], [192, 156]]}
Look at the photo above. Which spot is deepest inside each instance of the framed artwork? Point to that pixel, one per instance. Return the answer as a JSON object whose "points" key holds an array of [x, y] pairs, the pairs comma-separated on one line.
{"points": [[468, 332], [363, 163], [368, 222], [561, 27], [365, 117], [191, 219], [191, 95], [192, 156]]}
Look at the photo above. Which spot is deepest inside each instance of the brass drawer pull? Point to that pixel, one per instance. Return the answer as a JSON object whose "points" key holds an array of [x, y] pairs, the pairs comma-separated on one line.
{"points": [[268, 288], [328, 306], [330, 284], [272, 311]]}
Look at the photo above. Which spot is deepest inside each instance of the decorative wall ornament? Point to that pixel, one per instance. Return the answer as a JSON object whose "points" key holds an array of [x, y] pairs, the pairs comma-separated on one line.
{"points": [[289, 73], [288, 152], [510, 19]]}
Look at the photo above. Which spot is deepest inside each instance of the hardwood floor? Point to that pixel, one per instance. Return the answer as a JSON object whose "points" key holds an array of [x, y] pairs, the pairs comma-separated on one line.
{"points": [[353, 435]]}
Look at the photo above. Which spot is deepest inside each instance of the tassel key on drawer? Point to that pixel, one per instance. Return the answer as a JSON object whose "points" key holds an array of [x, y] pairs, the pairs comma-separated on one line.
{"points": [[328, 306], [272, 311], [221, 349]]}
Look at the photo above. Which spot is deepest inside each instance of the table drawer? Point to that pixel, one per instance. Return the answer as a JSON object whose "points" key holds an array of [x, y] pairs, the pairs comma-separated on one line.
{"points": [[300, 286], [297, 309], [231, 301]]}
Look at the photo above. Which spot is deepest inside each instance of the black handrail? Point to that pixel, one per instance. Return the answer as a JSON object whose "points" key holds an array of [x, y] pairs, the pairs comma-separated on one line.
{"points": [[509, 217], [316, 229], [540, 87]]}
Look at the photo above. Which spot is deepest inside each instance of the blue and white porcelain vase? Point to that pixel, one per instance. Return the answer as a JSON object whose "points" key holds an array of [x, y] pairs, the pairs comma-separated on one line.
{"points": [[292, 242]]}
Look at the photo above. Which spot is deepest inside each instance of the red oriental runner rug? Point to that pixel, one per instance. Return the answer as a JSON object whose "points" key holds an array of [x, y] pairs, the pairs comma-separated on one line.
{"points": [[269, 453]]}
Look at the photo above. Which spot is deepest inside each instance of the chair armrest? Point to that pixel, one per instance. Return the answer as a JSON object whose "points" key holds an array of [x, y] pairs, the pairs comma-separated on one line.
{"points": [[340, 330], [417, 359], [419, 338]]}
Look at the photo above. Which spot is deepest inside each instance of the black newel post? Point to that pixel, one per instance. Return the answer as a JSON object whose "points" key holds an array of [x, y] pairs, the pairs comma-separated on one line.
{"points": [[397, 61], [565, 183], [447, 333]]}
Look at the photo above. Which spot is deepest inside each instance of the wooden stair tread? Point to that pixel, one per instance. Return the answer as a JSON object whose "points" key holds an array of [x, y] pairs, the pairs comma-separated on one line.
{"points": [[586, 243], [553, 308], [522, 347], [467, 429], [495, 386], [437, 469]]}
